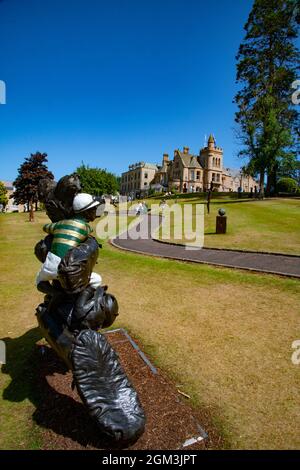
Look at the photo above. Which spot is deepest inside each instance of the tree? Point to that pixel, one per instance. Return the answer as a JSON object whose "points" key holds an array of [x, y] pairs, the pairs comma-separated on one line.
{"points": [[30, 173], [3, 195], [290, 169], [268, 60], [287, 185], [97, 181]]}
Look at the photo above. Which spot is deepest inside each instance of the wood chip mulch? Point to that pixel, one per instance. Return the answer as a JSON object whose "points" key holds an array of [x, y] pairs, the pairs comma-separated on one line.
{"points": [[67, 425]]}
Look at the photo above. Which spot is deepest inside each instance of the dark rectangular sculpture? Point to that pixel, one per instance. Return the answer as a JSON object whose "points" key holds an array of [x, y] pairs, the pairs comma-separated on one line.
{"points": [[221, 224]]}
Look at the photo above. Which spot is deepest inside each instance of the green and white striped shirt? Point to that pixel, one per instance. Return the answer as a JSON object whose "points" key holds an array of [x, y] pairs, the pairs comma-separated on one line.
{"points": [[67, 234]]}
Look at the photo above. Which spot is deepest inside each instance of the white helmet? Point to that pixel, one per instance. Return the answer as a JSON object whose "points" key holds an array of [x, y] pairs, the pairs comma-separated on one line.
{"points": [[83, 202]]}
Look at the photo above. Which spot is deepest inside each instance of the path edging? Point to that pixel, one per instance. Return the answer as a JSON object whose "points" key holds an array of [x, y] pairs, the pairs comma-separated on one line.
{"points": [[238, 250], [209, 263]]}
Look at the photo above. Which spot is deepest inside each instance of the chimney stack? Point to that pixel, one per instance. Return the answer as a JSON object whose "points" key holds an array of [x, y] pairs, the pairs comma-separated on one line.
{"points": [[165, 158]]}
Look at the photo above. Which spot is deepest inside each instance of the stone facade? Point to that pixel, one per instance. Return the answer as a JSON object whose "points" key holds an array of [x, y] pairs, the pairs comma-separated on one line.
{"points": [[186, 173], [235, 179], [211, 159], [136, 181], [197, 173]]}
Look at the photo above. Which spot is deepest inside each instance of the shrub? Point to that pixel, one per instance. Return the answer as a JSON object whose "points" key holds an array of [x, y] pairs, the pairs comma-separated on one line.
{"points": [[287, 185]]}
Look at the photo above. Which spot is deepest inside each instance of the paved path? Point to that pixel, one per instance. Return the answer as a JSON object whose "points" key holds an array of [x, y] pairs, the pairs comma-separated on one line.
{"points": [[268, 263]]}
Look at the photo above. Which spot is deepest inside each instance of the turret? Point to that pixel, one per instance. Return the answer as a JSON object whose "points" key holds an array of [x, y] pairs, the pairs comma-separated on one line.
{"points": [[211, 142]]}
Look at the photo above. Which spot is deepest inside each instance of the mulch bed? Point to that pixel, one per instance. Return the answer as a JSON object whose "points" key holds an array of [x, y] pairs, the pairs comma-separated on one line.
{"points": [[67, 425]]}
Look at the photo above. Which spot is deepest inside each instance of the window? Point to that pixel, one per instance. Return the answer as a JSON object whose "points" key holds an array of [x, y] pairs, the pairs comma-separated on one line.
{"points": [[192, 175], [213, 177], [146, 175], [145, 184], [198, 175]]}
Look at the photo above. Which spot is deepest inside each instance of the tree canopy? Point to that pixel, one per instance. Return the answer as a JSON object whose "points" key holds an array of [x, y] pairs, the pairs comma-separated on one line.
{"points": [[97, 181], [3, 194], [268, 60], [287, 185], [30, 173]]}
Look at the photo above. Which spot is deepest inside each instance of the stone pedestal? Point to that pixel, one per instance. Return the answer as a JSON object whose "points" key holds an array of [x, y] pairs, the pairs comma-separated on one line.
{"points": [[221, 224]]}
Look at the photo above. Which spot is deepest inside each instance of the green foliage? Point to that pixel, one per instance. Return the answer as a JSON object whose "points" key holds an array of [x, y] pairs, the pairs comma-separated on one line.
{"points": [[3, 194], [287, 185], [97, 181], [267, 66], [151, 192], [290, 169], [30, 173]]}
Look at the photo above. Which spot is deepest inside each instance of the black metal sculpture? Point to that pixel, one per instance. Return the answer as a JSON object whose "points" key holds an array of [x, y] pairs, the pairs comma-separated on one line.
{"points": [[72, 313]]}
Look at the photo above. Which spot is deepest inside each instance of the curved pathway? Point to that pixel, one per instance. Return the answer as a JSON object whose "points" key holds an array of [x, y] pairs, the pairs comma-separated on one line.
{"points": [[286, 265]]}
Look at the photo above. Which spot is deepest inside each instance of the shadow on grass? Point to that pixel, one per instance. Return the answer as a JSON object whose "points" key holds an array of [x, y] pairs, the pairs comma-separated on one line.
{"points": [[30, 367]]}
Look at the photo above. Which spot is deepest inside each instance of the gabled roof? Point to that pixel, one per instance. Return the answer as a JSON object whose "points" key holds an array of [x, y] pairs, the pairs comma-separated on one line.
{"points": [[188, 160], [194, 163]]}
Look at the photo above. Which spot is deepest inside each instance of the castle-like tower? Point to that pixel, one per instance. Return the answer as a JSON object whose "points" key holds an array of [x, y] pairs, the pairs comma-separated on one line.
{"points": [[211, 159]]}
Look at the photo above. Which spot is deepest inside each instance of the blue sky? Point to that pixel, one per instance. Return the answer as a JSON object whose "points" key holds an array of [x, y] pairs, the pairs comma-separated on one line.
{"points": [[115, 82]]}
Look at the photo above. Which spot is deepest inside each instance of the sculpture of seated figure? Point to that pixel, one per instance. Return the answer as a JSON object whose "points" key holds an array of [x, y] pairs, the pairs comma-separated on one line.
{"points": [[73, 311]]}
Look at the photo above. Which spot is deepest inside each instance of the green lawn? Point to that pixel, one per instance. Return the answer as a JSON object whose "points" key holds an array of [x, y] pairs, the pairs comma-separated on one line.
{"points": [[269, 225], [225, 336]]}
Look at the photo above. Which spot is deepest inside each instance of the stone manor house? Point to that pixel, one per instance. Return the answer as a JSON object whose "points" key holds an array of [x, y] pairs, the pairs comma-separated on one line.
{"points": [[186, 173]]}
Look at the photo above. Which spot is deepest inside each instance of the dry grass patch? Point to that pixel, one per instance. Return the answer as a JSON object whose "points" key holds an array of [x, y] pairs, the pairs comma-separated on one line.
{"points": [[227, 338]]}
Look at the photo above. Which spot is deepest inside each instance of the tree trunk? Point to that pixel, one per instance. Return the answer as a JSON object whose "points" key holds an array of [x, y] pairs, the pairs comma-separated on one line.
{"points": [[31, 212], [269, 183], [262, 184], [272, 181]]}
